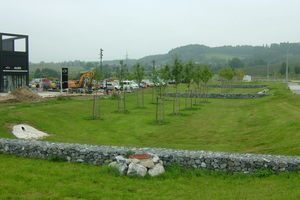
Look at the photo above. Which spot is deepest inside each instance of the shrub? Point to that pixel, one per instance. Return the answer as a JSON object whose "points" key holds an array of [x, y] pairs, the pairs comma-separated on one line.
{"points": [[56, 158], [263, 173]]}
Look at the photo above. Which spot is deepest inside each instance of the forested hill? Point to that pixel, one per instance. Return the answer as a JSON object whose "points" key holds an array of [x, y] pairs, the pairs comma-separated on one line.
{"points": [[251, 55], [254, 59]]}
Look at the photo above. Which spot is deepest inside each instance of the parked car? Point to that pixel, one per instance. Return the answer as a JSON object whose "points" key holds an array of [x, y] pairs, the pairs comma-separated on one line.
{"points": [[143, 85], [171, 81], [134, 85], [129, 85], [148, 83], [111, 85]]}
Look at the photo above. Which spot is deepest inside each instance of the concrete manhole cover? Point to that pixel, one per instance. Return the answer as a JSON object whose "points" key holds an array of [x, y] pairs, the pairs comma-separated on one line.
{"points": [[140, 156]]}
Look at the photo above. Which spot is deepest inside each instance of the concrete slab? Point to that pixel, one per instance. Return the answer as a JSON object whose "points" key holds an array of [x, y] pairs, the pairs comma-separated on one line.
{"points": [[24, 131]]}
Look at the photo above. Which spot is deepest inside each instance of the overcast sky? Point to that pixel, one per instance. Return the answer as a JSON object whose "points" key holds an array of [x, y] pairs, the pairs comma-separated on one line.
{"points": [[76, 29]]}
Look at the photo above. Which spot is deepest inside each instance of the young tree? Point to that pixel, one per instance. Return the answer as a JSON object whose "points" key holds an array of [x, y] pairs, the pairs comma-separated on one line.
{"points": [[165, 73], [188, 73], [155, 79], [121, 75], [226, 74], [98, 75], [164, 77], [206, 75], [239, 74], [177, 71], [177, 75], [187, 78], [197, 78], [139, 74]]}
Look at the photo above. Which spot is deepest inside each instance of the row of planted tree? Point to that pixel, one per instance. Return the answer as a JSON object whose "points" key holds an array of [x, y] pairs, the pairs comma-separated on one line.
{"points": [[170, 78]]}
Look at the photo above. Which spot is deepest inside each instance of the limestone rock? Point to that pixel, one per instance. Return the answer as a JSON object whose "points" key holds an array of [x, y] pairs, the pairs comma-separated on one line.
{"points": [[136, 170], [136, 161], [147, 163], [122, 167], [155, 159], [121, 159], [157, 170]]}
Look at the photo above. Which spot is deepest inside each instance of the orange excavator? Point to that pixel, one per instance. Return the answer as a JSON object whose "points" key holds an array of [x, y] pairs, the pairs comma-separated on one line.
{"points": [[84, 85]]}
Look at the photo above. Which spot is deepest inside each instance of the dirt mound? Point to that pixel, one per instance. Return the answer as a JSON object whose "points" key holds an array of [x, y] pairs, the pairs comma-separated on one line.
{"points": [[24, 94]]}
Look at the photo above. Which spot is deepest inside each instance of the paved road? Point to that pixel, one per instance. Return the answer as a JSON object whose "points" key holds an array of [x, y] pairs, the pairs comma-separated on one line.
{"points": [[294, 87]]}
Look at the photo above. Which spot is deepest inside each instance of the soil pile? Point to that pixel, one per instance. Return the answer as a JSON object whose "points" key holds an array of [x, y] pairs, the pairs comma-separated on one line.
{"points": [[24, 94]]}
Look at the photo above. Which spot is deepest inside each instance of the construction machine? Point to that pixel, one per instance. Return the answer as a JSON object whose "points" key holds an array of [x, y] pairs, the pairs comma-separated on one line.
{"points": [[84, 85]]}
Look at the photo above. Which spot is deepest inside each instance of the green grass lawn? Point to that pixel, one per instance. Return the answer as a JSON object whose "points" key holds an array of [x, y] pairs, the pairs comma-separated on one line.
{"points": [[43, 180], [266, 125], [183, 88]]}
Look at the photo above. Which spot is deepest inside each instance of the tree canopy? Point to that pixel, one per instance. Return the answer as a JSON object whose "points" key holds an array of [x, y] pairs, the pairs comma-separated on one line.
{"points": [[177, 70], [139, 73], [206, 74], [236, 63], [188, 72], [226, 73]]}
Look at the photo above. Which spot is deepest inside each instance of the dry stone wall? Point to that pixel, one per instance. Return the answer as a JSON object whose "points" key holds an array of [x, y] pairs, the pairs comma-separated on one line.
{"points": [[238, 86], [98, 155], [216, 95]]}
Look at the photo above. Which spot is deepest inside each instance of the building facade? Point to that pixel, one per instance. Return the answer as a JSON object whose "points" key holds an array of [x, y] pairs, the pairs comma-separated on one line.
{"points": [[14, 61]]}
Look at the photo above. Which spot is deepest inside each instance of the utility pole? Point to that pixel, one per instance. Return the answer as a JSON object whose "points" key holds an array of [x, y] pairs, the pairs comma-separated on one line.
{"points": [[126, 57], [101, 56]]}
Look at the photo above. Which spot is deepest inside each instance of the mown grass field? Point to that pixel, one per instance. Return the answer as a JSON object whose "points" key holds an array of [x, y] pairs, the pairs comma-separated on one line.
{"points": [[267, 125], [43, 180]]}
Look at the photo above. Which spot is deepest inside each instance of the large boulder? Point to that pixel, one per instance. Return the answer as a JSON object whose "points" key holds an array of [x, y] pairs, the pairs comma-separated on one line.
{"points": [[155, 158], [156, 170], [121, 159], [148, 163], [122, 167], [136, 170], [139, 165]]}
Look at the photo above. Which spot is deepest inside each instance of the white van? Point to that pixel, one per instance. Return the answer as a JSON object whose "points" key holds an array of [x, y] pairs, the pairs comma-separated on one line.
{"points": [[129, 85]]}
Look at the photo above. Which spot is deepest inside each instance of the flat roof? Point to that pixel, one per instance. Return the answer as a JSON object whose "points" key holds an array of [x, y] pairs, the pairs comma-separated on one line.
{"points": [[16, 35]]}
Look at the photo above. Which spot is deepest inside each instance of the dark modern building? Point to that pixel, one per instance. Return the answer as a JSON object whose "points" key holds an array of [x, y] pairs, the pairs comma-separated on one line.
{"points": [[14, 61]]}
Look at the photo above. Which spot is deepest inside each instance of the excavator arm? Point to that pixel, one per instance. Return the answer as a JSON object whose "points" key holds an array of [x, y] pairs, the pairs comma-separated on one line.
{"points": [[83, 77]]}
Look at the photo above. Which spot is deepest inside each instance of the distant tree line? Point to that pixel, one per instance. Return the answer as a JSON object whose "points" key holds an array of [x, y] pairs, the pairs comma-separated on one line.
{"points": [[46, 73]]}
